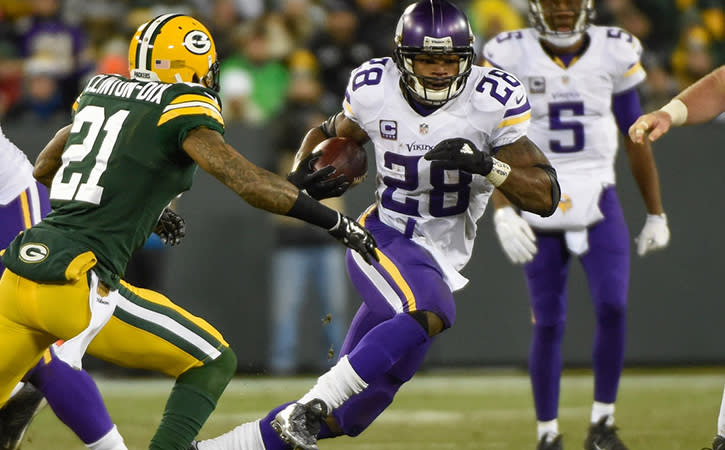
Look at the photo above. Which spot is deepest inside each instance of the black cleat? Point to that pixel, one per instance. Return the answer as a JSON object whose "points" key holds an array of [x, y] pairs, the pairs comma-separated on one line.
{"points": [[603, 437], [717, 444], [298, 424], [545, 444], [193, 446], [16, 415]]}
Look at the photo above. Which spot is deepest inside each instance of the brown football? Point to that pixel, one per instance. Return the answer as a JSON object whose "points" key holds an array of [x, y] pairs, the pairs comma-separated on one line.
{"points": [[346, 156]]}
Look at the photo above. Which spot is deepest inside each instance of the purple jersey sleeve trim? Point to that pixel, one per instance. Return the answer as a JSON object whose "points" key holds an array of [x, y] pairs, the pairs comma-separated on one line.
{"points": [[521, 109], [626, 108]]}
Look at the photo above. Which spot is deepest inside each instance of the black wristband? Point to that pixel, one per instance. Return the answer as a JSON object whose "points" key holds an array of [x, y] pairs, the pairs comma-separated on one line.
{"points": [[310, 210]]}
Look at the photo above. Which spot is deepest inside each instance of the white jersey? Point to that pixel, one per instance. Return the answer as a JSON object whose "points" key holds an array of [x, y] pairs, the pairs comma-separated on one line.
{"points": [[436, 208], [571, 111], [16, 172]]}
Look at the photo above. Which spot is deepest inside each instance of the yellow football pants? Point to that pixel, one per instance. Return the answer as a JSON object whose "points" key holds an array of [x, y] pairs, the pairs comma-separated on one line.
{"points": [[147, 331]]}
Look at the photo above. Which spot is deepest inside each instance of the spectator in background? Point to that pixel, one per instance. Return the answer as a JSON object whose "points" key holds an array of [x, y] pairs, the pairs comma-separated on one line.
{"points": [[11, 70], [224, 20], [339, 49], [491, 17], [254, 81], [692, 59], [49, 41], [303, 18], [303, 257], [42, 94], [377, 20]]}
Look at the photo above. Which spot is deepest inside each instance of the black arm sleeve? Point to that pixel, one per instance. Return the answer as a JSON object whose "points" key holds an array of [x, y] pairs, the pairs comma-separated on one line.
{"points": [[555, 189], [328, 126]]}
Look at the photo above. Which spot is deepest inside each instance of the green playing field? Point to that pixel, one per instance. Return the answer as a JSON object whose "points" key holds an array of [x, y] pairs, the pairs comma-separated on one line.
{"points": [[659, 409]]}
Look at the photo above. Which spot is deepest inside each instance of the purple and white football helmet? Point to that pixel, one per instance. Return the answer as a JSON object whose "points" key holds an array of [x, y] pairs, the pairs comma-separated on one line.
{"points": [[435, 27], [541, 18]]}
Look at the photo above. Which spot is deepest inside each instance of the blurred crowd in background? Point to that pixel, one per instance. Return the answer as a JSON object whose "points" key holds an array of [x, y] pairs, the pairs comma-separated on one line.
{"points": [[289, 60]]}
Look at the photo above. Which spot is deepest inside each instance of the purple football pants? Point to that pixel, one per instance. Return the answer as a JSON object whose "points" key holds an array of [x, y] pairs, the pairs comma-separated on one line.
{"points": [[405, 280], [606, 265]]}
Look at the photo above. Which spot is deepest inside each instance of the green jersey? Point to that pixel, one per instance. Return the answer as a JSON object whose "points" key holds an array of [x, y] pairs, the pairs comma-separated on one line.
{"points": [[122, 164]]}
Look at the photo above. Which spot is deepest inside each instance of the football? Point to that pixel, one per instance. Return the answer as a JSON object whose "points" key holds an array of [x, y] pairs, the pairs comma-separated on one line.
{"points": [[346, 156]]}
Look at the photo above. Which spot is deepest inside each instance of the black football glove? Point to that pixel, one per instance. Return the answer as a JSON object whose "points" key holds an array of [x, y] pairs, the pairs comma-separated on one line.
{"points": [[459, 153], [354, 236], [171, 227], [315, 182]]}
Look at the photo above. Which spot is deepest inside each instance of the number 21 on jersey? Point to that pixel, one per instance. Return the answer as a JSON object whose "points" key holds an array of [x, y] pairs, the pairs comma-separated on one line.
{"points": [[89, 191]]}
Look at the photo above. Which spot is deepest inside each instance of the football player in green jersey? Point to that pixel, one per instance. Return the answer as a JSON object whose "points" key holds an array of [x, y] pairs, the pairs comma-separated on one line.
{"points": [[134, 144]]}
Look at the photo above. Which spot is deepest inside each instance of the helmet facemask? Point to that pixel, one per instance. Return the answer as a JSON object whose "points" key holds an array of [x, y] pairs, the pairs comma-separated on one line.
{"points": [[211, 79], [435, 28], [540, 19], [423, 88]]}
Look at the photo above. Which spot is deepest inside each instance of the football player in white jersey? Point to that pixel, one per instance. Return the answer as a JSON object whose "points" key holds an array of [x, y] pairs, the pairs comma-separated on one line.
{"points": [[23, 203], [581, 81], [699, 103], [445, 133]]}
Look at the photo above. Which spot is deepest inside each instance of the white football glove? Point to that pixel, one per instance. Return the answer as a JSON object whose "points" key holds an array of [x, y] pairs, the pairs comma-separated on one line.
{"points": [[655, 234], [515, 235]]}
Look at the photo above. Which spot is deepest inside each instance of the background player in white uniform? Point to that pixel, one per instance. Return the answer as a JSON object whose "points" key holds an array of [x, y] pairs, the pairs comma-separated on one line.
{"points": [[581, 84], [699, 103], [23, 203], [435, 122]]}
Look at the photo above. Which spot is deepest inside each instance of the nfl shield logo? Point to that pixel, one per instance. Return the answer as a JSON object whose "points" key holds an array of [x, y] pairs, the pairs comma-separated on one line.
{"points": [[423, 128]]}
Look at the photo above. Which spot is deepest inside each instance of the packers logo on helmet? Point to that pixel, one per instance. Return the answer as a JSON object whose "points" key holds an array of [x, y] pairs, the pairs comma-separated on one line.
{"points": [[174, 48]]}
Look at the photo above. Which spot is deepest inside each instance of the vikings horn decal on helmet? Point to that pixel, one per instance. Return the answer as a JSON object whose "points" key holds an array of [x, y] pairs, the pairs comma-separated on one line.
{"points": [[174, 48], [433, 27], [542, 20]]}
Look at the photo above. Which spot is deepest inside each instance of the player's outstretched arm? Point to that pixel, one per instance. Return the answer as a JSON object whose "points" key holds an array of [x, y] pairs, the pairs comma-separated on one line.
{"points": [[698, 103], [266, 190], [49, 160]]}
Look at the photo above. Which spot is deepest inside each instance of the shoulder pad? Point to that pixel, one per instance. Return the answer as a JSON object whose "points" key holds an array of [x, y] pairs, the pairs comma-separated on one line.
{"points": [[503, 49], [366, 86], [624, 51], [188, 99], [499, 105]]}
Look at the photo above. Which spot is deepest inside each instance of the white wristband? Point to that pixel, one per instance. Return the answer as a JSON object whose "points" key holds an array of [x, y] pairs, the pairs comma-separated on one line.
{"points": [[677, 111], [499, 172]]}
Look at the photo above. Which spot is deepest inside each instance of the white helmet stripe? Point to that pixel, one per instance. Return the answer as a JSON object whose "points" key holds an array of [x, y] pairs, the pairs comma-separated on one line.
{"points": [[144, 41]]}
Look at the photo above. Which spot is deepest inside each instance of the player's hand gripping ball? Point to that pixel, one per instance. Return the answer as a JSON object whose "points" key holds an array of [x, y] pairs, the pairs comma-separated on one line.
{"points": [[346, 156], [332, 167]]}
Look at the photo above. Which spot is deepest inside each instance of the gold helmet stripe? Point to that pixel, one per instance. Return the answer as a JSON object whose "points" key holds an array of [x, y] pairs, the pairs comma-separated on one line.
{"points": [[146, 41]]}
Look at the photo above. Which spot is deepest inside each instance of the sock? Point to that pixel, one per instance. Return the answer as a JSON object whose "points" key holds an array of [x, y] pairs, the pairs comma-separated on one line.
{"points": [[549, 428], [74, 398], [111, 441], [246, 436], [192, 400], [721, 417], [600, 410], [336, 385]]}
